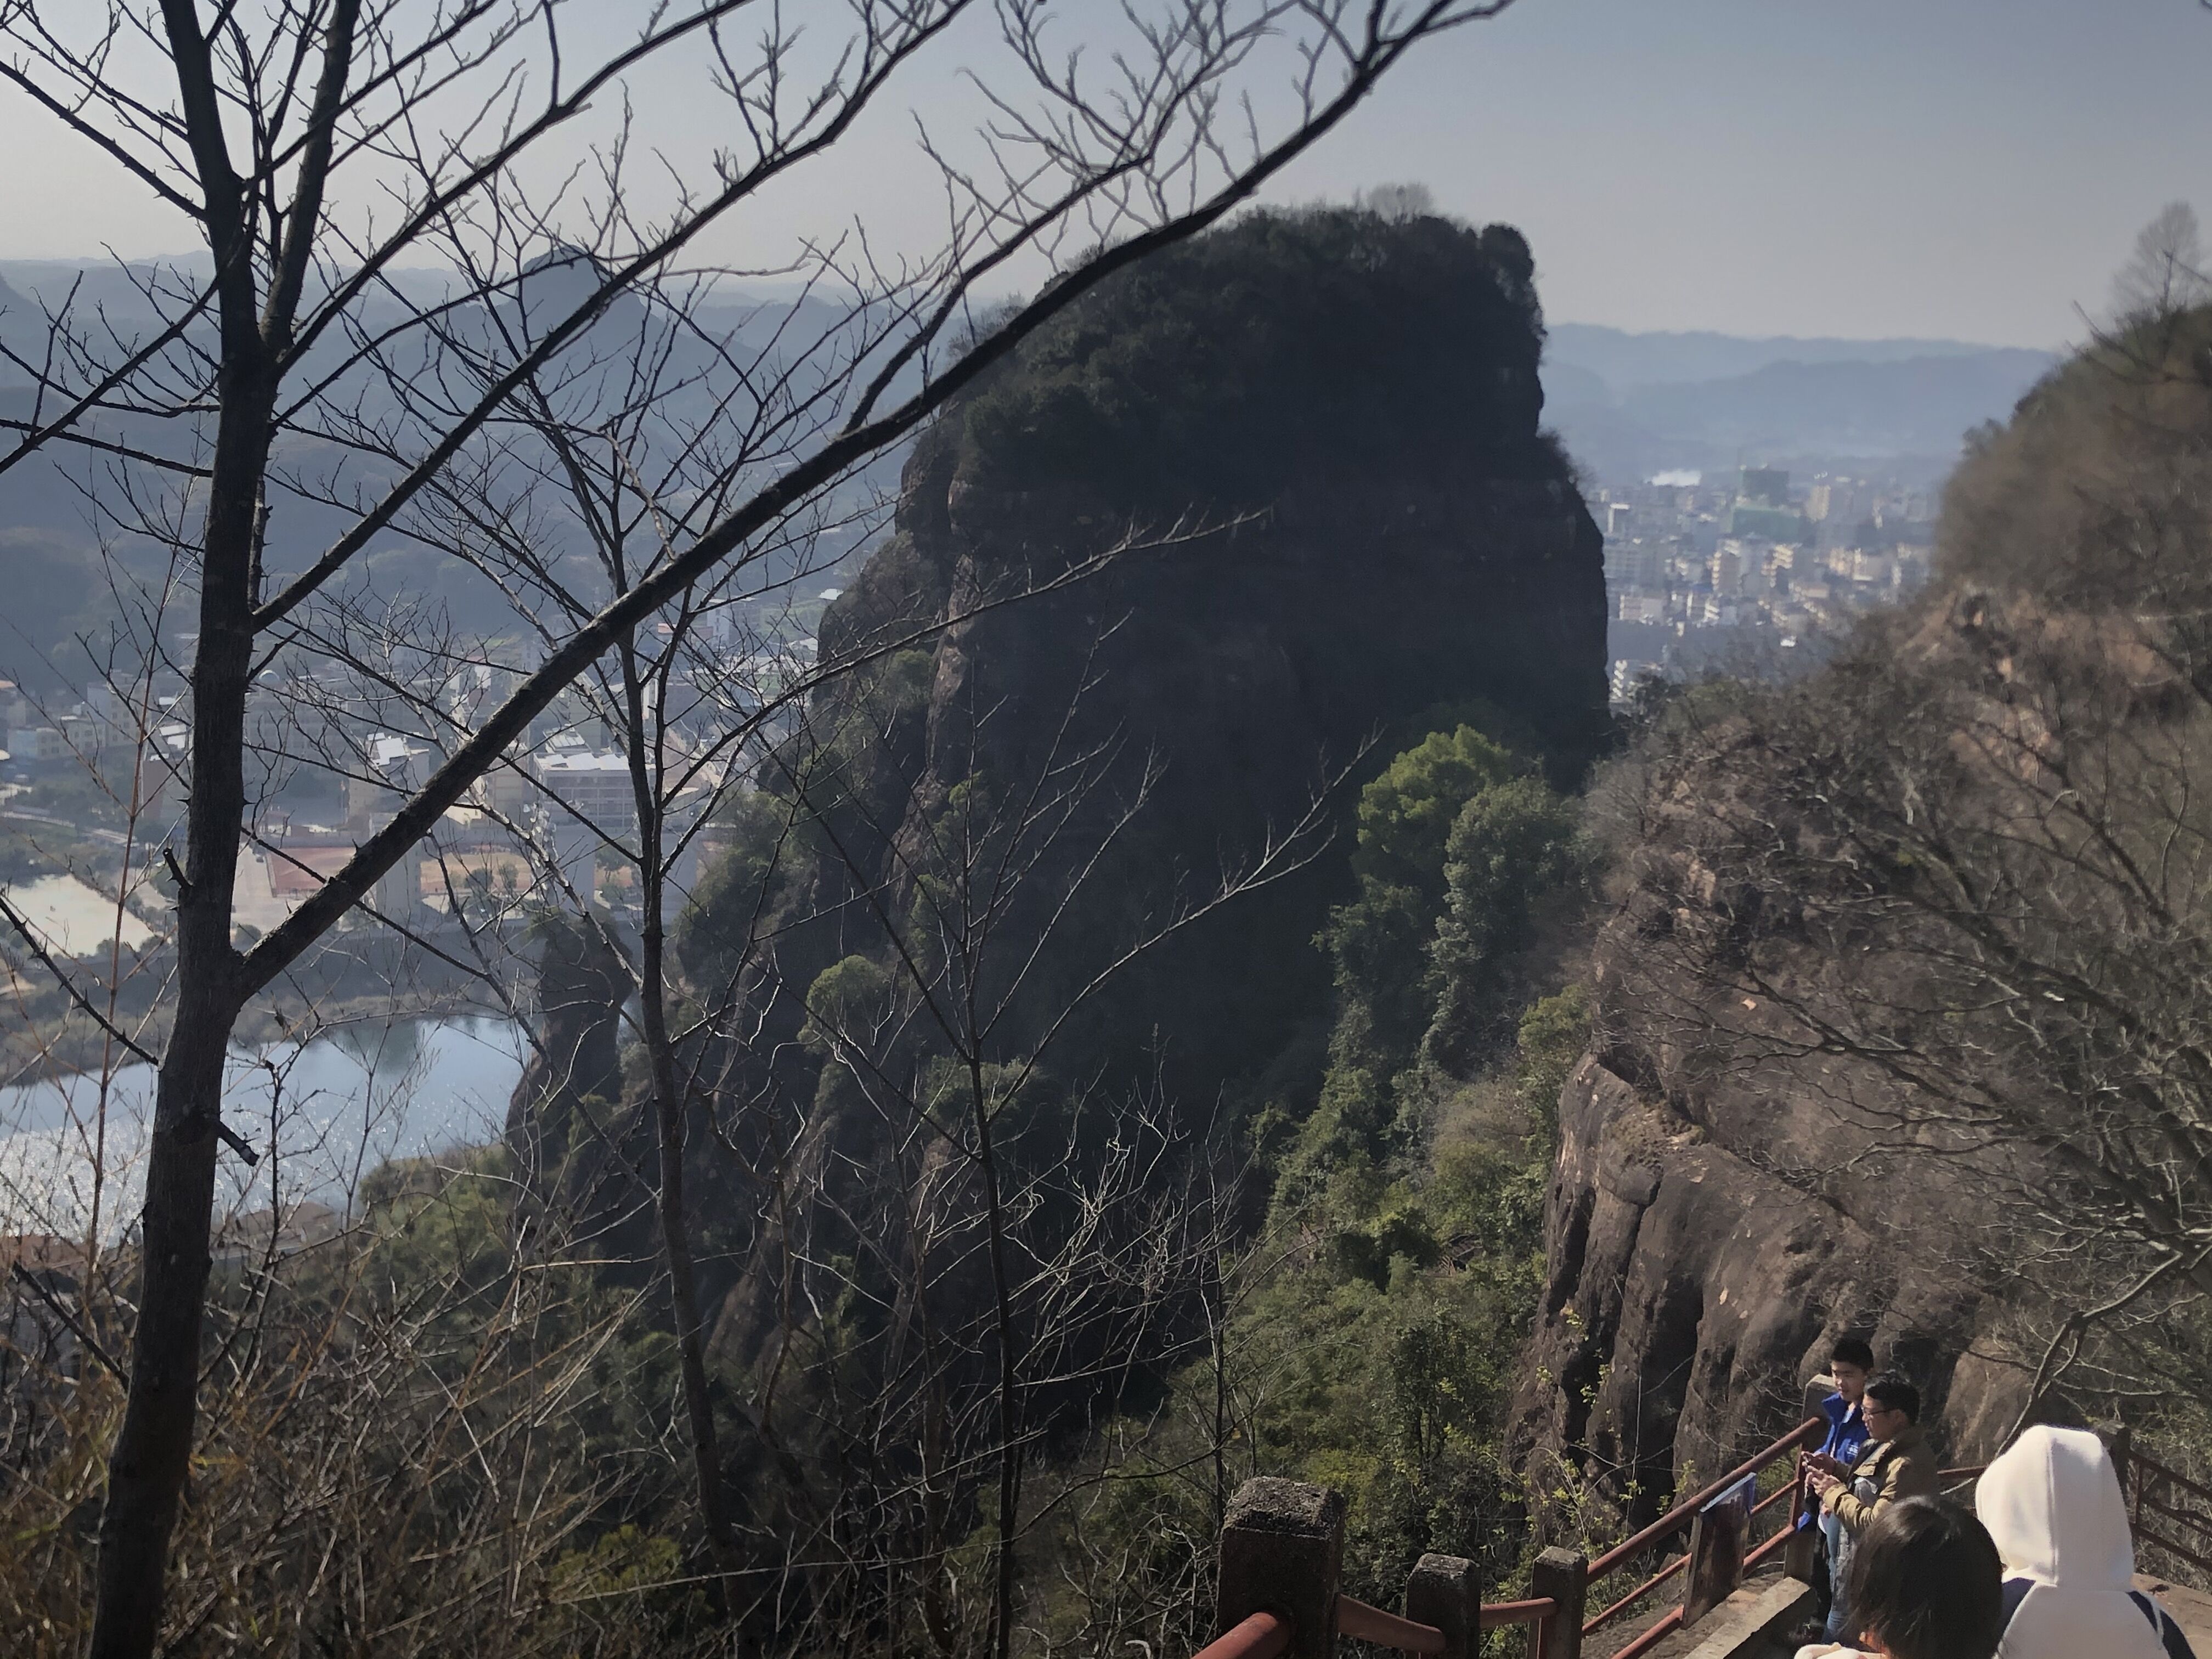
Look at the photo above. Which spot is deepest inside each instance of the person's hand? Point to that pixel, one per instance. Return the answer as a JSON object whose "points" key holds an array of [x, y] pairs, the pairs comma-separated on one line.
{"points": [[1822, 1482], [1824, 1464]]}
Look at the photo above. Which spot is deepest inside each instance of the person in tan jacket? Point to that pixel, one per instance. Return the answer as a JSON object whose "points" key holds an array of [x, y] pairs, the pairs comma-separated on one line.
{"points": [[1896, 1464]]}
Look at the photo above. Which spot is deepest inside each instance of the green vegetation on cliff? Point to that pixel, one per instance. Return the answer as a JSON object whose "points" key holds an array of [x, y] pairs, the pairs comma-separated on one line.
{"points": [[1220, 371], [1368, 1331], [1416, 1185]]}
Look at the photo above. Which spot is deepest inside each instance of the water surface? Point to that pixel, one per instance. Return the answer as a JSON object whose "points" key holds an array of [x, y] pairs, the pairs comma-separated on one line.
{"points": [[331, 1112]]}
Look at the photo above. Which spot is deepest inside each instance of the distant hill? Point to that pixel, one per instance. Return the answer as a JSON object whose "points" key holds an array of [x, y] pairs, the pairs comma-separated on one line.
{"points": [[1630, 403], [1625, 361], [55, 548]]}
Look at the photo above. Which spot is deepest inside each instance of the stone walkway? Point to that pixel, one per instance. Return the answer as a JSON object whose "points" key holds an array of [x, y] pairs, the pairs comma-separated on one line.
{"points": [[1737, 1629], [2191, 1609]]}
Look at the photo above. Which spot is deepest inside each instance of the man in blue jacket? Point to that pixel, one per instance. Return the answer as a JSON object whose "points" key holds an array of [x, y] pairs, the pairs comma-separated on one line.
{"points": [[1850, 1363]]}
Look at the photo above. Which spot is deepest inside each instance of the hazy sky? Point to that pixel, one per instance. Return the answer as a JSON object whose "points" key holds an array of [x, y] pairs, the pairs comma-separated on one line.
{"points": [[1970, 168]]}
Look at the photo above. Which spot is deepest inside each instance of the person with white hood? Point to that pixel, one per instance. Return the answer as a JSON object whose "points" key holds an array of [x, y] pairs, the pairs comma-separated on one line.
{"points": [[2052, 1504]]}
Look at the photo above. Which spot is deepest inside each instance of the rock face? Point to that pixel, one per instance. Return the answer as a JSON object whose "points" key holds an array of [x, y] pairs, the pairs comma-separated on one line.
{"points": [[1731, 1196], [1691, 1292], [1882, 1014], [1314, 439], [1320, 432], [566, 1102]]}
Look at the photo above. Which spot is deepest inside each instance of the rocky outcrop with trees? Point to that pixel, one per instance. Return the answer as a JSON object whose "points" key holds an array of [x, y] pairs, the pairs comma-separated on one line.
{"points": [[1038, 954], [1900, 1015], [1261, 507]]}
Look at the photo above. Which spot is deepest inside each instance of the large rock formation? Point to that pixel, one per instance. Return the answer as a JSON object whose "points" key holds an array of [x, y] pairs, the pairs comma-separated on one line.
{"points": [[1727, 1200], [1690, 1291], [1316, 438], [1321, 433]]}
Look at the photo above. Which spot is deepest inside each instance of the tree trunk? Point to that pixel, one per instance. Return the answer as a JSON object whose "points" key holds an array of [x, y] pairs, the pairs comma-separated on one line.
{"points": [[670, 1127], [152, 1455], [1009, 1460]]}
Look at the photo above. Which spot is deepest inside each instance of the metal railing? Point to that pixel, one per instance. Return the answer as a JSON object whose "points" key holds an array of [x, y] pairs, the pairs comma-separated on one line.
{"points": [[1678, 1521], [2147, 1485], [2164, 1492], [1282, 1548]]}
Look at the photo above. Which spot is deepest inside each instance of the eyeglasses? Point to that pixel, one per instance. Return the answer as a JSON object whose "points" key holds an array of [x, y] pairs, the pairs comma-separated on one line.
{"points": [[1873, 1410]]}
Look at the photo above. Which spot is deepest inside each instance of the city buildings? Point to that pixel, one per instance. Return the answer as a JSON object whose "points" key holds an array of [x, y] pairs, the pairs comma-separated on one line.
{"points": [[1698, 571]]}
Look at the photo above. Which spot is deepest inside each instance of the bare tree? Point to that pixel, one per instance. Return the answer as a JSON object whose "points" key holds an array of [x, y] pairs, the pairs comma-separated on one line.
{"points": [[956, 896], [2166, 272], [321, 148], [1406, 200], [684, 712]]}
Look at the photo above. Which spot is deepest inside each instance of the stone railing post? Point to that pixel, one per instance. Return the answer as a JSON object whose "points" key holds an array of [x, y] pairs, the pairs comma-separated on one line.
{"points": [[1798, 1556], [1282, 1550], [1446, 1591], [1563, 1575]]}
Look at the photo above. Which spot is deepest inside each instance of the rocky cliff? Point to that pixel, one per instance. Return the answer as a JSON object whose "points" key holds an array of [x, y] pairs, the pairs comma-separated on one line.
{"points": [[1263, 502], [1318, 435], [1691, 1292], [1897, 1008], [1729, 1198]]}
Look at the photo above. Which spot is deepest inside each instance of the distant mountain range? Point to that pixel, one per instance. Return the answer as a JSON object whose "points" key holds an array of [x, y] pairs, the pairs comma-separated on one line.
{"points": [[59, 557], [1631, 405]]}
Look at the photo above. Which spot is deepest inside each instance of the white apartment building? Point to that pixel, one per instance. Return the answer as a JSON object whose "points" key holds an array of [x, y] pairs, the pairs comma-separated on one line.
{"points": [[593, 782]]}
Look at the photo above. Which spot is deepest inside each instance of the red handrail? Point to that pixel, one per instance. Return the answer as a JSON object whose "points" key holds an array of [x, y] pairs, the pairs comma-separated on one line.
{"points": [[1269, 1635], [1651, 1638], [1598, 1621], [2166, 1474], [2170, 1548], [1635, 1595], [1686, 1511], [2191, 1517], [1263, 1636], [1363, 1623], [1774, 1541], [1496, 1615]]}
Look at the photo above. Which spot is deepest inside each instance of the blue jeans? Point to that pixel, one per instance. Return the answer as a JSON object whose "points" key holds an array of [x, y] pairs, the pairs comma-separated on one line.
{"points": [[1839, 1570]]}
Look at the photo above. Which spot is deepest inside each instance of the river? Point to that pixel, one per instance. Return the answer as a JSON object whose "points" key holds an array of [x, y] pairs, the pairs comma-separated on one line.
{"points": [[332, 1111]]}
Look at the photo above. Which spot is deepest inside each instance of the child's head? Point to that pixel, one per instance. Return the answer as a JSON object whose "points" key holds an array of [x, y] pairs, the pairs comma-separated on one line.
{"points": [[1850, 1362], [1926, 1584]]}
